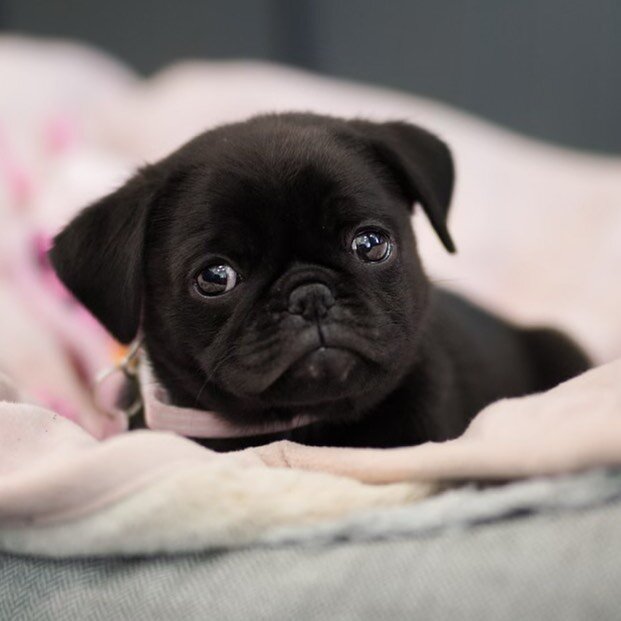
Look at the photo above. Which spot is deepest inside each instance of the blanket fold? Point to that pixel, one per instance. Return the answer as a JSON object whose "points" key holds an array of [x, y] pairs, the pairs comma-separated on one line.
{"points": [[64, 492], [572, 427]]}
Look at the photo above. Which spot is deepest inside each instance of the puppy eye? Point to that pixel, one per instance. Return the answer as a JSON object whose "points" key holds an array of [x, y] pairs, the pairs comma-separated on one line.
{"points": [[216, 280], [371, 246]]}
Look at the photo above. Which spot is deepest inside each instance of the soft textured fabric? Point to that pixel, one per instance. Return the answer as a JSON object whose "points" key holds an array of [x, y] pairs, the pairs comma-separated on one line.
{"points": [[555, 562], [63, 492]]}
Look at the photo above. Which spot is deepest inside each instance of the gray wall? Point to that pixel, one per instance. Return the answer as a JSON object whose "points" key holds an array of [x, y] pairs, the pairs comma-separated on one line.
{"points": [[549, 68]]}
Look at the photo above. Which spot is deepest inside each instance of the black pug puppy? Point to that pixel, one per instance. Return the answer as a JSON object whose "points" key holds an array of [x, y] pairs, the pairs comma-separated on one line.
{"points": [[272, 269]]}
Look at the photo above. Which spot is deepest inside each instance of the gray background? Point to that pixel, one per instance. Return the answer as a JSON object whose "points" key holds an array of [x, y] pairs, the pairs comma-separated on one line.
{"points": [[549, 68]]}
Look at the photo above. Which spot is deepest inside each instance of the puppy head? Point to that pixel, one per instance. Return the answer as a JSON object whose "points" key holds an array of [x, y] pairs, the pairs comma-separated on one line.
{"points": [[270, 264]]}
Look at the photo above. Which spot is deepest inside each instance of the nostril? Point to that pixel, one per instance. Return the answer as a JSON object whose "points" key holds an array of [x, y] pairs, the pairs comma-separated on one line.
{"points": [[311, 300]]}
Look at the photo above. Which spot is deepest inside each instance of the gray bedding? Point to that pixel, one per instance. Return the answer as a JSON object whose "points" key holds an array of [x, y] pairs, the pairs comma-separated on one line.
{"points": [[540, 549]]}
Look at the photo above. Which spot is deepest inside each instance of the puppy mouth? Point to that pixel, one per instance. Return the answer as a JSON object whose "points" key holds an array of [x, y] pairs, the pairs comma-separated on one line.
{"points": [[320, 375], [324, 364], [313, 368]]}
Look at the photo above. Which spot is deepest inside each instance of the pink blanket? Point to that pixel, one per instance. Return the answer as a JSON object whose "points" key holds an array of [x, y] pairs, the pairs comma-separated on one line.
{"points": [[64, 492], [87, 123]]}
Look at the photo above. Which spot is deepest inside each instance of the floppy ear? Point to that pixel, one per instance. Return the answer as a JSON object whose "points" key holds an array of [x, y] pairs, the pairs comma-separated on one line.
{"points": [[98, 256], [421, 165]]}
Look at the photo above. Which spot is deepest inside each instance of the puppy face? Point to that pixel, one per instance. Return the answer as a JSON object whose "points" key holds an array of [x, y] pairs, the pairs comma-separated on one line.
{"points": [[270, 264]]}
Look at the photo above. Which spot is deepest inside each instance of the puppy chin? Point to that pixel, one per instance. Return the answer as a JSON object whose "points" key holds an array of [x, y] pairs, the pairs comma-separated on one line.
{"points": [[323, 375]]}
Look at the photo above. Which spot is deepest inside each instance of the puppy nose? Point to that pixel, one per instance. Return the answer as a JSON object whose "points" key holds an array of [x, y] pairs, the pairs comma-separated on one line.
{"points": [[310, 300]]}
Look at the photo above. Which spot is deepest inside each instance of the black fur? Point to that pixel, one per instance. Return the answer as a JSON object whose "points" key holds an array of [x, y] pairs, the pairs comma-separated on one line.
{"points": [[382, 356]]}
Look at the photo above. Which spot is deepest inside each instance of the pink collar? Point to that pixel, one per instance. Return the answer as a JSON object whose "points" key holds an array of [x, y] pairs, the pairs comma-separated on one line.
{"points": [[159, 415]]}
